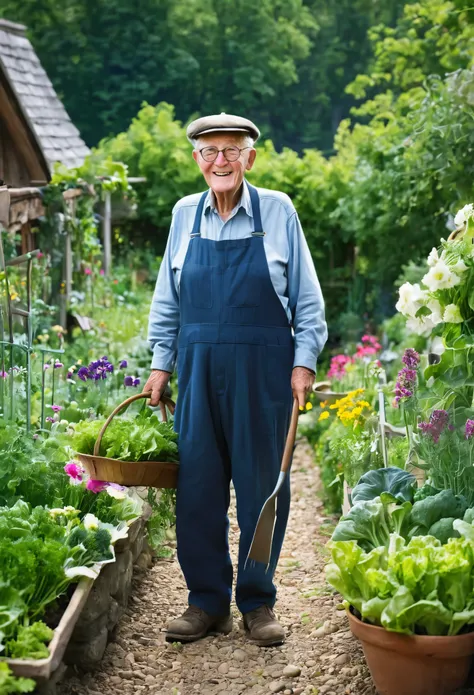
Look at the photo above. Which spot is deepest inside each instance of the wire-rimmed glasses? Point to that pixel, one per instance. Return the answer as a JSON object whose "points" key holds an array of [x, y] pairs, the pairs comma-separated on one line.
{"points": [[231, 153]]}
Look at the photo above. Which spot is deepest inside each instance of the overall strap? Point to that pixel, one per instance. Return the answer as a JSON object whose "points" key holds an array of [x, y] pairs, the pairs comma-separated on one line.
{"points": [[196, 231], [257, 219]]}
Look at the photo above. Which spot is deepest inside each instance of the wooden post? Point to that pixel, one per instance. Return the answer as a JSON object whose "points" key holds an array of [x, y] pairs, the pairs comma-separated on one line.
{"points": [[107, 233]]}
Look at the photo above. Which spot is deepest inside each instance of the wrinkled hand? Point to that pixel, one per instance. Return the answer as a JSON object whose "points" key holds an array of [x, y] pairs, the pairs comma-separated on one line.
{"points": [[302, 380], [157, 382]]}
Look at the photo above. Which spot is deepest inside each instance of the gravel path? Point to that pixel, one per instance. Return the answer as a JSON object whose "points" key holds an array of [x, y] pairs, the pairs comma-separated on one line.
{"points": [[319, 657]]}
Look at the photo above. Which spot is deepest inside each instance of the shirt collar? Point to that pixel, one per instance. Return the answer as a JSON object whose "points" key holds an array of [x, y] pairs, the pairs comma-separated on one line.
{"points": [[244, 202]]}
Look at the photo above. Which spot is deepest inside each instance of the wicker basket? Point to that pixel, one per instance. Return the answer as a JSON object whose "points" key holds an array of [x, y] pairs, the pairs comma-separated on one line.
{"points": [[160, 474]]}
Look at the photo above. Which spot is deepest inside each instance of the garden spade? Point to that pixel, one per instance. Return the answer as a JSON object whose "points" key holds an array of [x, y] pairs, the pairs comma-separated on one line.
{"points": [[261, 546]]}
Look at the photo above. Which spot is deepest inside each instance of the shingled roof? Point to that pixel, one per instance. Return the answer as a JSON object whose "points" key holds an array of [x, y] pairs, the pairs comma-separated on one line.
{"points": [[57, 137]]}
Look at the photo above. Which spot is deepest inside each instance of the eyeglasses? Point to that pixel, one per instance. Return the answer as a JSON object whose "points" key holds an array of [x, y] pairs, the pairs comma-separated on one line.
{"points": [[231, 153]]}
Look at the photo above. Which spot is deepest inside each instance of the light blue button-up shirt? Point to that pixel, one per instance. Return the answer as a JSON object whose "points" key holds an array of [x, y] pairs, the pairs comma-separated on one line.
{"points": [[289, 261]]}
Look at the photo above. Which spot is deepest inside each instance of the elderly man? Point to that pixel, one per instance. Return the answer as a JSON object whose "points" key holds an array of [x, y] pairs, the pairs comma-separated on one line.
{"points": [[238, 309]]}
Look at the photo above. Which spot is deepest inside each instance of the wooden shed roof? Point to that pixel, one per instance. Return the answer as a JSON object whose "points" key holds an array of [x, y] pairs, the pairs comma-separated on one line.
{"points": [[55, 134]]}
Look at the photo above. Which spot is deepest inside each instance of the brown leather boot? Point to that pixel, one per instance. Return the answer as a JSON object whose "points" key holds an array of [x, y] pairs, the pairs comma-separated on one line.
{"points": [[196, 623], [263, 628]]}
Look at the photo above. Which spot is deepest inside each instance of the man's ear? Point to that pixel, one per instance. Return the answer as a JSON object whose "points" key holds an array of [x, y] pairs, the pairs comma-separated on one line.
{"points": [[252, 158], [195, 155]]}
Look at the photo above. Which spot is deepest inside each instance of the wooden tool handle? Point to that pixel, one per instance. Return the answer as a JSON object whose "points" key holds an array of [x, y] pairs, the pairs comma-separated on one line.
{"points": [[290, 439], [146, 394]]}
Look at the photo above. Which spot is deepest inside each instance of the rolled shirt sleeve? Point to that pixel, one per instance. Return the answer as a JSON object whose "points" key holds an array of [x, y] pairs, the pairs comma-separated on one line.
{"points": [[306, 301], [163, 323]]}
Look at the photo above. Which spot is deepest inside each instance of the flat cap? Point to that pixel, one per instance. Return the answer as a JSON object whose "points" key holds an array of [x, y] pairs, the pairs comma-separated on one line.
{"points": [[224, 122]]}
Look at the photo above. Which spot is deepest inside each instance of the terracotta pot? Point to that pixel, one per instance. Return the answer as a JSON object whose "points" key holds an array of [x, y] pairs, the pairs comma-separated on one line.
{"points": [[414, 665]]}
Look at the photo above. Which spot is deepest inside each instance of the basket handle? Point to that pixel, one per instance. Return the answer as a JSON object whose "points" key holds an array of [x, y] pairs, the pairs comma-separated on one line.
{"points": [[146, 394]]}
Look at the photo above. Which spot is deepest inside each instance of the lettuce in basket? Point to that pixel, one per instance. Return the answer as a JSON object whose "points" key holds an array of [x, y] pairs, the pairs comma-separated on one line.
{"points": [[142, 438]]}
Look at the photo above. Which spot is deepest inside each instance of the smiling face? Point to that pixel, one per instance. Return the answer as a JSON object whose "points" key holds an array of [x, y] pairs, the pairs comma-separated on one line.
{"points": [[221, 176]]}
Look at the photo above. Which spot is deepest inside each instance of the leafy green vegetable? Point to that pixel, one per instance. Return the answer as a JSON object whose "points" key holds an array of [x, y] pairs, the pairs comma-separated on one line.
{"points": [[425, 491], [443, 530], [10, 685], [143, 438], [444, 504], [420, 587], [372, 521], [30, 642], [399, 483]]}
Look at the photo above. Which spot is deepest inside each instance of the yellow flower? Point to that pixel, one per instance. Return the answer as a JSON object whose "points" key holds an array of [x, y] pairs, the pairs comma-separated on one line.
{"points": [[324, 415], [14, 295], [309, 406], [58, 329], [323, 404]]}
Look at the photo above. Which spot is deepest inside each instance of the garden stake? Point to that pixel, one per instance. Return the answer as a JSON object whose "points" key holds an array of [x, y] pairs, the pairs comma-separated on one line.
{"points": [[261, 546], [382, 381]]}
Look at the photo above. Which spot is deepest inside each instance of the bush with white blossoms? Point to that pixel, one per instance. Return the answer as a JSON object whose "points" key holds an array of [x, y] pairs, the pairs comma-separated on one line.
{"points": [[446, 293]]}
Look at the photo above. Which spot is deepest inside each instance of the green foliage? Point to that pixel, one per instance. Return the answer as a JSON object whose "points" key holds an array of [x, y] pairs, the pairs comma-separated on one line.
{"points": [[276, 61], [371, 521], [399, 483], [144, 438], [30, 642], [9, 684], [421, 587]]}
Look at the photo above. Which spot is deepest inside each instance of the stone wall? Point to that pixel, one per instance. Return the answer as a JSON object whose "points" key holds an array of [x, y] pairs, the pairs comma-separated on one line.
{"points": [[108, 599]]}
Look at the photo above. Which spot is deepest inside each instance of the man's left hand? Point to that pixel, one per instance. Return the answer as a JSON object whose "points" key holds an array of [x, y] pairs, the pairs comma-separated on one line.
{"points": [[302, 381]]}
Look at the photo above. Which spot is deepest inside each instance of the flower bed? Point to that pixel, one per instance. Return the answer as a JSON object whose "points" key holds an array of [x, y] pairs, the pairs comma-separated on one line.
{"points": [[403, 556]]}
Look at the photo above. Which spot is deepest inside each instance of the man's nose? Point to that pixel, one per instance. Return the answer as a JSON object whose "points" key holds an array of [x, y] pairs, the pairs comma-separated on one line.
{"points": [[221, 161]]}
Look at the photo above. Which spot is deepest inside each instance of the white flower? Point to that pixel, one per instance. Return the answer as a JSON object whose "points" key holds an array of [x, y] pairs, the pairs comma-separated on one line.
{"points": [[116, 491], [459, 267], [438, 346], [452, 314], [410, 299], [463, 215], [91, 522], [440, 277], [433, 257], [421, 326], [436, 311]]}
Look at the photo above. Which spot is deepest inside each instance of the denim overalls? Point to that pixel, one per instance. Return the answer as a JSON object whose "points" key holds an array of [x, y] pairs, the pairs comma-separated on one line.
{"points": [[235, 358]]}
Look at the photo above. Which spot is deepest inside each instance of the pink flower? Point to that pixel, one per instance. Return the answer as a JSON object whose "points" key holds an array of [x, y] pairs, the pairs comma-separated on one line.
{"points": [[96, 486], [55, 408], [102, 271], [87, 271], [74, 470], [338, 366], [3, 374], [40, 254]]}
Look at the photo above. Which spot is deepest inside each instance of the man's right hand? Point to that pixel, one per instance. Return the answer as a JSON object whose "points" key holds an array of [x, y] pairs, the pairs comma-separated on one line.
{"points": [[157, 382]]}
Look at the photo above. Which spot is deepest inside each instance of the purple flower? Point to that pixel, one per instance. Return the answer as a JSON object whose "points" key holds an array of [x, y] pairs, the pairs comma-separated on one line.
{"points": [[123, 364], [128, 381], [70, 375], [406, 384], [469, 429], [74, 470], [439, 420], [411, 358], [136, 382], [50, 419], [58, 364], [83, 373], [96, 486], [55, 408]]}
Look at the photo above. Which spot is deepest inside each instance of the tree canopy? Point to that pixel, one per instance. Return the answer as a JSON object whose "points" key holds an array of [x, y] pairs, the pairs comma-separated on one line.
{"points": [[284, 63]]}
